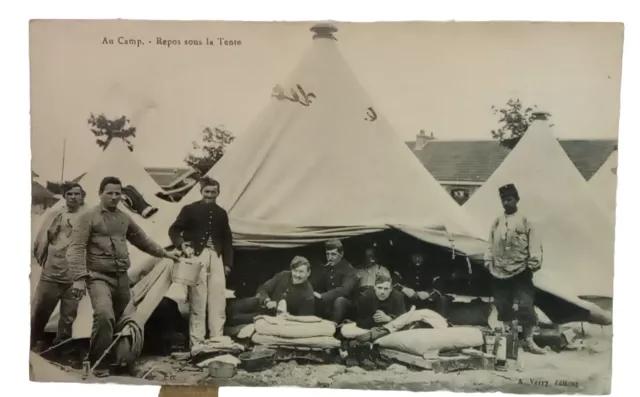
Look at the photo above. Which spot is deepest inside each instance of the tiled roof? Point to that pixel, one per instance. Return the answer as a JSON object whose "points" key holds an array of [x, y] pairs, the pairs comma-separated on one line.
{"points": [[163, 176], [475, 161], [588, 156]]}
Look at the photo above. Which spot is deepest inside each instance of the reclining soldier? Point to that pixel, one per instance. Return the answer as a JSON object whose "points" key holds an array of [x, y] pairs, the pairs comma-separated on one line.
{"points": [[292, 286]]}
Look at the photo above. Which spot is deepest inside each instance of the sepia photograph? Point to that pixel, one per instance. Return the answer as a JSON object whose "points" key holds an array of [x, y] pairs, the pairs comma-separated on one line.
{"points": [[384, 206]]}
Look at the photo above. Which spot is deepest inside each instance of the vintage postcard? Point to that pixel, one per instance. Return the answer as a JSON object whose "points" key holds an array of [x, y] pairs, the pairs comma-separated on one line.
{"points": [[393, 206]]}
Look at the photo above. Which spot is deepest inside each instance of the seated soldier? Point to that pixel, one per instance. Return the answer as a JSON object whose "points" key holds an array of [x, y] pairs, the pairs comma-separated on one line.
{"points": [[291, 286], [380, 305], [333, 284], [367, 274], [420, 286]]}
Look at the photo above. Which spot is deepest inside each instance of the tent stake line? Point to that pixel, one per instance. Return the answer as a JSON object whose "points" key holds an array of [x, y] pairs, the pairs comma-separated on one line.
{"points": [[55, 346]]}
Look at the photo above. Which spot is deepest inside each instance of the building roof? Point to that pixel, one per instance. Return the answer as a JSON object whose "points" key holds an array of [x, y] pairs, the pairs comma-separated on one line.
{"points": [[462, 161], [475, 161], [163, 176]]}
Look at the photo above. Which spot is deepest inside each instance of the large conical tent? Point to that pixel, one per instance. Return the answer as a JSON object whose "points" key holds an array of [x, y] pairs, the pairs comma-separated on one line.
{"points": [[577, 235], [604, 183], [321, 161], [117, 161]]}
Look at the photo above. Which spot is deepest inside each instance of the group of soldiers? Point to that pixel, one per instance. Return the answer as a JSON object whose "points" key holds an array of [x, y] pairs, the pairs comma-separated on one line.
{"points": [[84, 250]]}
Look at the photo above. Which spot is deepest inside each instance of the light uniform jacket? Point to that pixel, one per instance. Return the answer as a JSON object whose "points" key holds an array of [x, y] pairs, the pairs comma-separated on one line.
{"points": [[50, 246], [513, 246]]}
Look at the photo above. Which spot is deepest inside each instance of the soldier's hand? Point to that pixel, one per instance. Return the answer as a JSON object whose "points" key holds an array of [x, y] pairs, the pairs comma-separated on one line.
{"points": [[409, 292], [172, 255], [78, 289], [187, 250]]}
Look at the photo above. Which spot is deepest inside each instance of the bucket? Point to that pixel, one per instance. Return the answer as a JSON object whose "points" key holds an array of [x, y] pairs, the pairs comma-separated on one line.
{"points": [[257, 360], [186, 272]]}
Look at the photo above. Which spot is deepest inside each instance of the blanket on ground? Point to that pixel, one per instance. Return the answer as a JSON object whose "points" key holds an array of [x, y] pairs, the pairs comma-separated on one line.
{"points": [[325, 342], [425, 316], [424, 341], [288, 326]]}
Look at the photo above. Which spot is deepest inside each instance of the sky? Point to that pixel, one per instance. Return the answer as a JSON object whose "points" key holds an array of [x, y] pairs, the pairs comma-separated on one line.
{"points": [[440, 77]]}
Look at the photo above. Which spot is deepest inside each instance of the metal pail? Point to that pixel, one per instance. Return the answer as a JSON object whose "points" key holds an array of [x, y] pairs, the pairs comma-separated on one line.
{"points": [[186, 272]]}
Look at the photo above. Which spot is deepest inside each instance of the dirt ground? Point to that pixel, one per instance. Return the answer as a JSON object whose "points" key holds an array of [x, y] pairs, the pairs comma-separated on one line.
{"points": [[586, 371]]}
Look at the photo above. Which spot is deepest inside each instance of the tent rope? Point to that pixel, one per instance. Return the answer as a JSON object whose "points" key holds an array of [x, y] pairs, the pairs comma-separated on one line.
{"points": [[451, 243], [57, 345]]}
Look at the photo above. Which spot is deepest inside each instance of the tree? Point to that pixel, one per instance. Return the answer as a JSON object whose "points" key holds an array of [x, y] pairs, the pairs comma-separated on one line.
{"points": [[514, 122], [206, 154], [106, 130]]}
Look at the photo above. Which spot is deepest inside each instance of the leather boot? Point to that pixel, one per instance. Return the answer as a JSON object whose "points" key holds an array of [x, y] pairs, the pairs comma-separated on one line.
{"points": [[529, 344], [364, 358], [378, 360], [351, 349]]}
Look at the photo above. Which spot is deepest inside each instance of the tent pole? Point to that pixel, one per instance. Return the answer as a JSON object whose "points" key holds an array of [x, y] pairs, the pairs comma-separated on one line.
{"points": [[55, 346], [95, 365], [64, 147]]}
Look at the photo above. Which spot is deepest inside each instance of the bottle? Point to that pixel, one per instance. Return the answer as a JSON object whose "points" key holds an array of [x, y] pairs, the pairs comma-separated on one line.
{"points": [[86, 368], [513, 341], [501, 351], [490, 342]]}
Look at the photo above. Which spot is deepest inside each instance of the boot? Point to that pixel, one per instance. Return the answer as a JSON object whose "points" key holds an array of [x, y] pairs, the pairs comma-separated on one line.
{"points": [[378, 360], [364, 358], [529, 344], [350, 348]]}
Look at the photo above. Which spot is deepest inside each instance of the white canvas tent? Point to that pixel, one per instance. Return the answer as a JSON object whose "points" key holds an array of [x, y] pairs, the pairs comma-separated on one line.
{"points": [[321, 161], [117, 161], [577, 235], [604, 182]]}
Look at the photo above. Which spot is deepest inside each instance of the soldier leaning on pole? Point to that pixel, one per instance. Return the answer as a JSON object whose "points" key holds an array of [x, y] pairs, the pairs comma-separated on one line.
{"points": [[513, 254]]}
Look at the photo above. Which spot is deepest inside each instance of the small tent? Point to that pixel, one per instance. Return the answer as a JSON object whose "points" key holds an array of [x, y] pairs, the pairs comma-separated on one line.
{"points": [[577, 235], [604, 182], [116, 161]]}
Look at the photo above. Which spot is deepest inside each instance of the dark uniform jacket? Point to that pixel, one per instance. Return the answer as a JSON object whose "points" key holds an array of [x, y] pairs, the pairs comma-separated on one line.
{"points": [[418, 278], [334, 281], [368, 303], [299, 298], [197, 222]]}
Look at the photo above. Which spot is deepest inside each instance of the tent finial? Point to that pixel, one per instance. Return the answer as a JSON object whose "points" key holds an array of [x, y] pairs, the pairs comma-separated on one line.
{"points": [[540, 115], [324, 31]]}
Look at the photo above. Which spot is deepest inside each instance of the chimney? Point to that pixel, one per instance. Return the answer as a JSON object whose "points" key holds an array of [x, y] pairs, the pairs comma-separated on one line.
{"points": [[324, 31], [422, 139], [539, 115]]}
